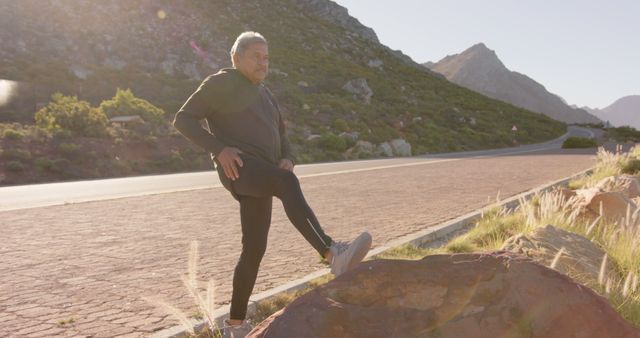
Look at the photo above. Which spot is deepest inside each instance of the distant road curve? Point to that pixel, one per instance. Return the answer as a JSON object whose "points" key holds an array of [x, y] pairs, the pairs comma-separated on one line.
{"points": [[38, 195]]}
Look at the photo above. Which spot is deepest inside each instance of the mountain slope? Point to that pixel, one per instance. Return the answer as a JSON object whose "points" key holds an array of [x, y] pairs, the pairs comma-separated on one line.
{"points": [[479, 68], [623, 112], [331, 77]]}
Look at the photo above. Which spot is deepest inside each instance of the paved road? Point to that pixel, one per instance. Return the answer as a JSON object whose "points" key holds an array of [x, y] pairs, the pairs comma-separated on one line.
{"points": [[94, 261], [38, 195]]}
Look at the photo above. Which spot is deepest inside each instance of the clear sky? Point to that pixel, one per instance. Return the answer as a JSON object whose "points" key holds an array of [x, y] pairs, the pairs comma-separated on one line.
{"points": [[588, 51]]}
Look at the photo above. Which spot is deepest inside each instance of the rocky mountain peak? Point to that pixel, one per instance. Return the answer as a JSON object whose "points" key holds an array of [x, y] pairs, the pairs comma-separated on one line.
{"points": [[479, 68], [336, 14]]}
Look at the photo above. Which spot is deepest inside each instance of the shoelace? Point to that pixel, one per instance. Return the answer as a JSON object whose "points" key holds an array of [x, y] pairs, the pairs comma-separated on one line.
{"points": [[340, 247]]}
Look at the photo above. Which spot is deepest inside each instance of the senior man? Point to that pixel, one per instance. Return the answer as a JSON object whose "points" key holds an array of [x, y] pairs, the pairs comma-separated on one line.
{"points": [[247, 141]]}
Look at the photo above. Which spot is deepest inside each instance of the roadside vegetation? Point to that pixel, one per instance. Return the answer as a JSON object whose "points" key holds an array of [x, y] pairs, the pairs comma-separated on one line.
{"points": [[619, 240], [579, 142]]}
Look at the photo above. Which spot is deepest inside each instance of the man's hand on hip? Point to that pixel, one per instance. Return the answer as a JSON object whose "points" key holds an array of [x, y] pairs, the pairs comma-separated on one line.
{"points": [[230, 160], [285, 164]]}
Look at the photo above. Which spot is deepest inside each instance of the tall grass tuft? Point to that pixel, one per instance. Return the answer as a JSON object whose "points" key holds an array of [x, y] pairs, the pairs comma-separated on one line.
{"points": [[206, 304]]}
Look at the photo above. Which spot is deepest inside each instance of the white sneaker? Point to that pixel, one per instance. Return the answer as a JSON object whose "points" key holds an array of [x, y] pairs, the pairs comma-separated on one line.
{"points": [[236, 331], [348, 255]]}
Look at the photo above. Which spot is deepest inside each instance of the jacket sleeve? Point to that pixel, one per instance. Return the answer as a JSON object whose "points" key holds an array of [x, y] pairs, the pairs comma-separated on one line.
{"points": [[284, 143], [196, 108]]}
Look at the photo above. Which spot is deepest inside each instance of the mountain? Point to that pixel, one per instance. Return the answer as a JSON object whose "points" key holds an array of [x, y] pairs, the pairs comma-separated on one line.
{"points": [[623, 112], [336, 84], [479, 68]]}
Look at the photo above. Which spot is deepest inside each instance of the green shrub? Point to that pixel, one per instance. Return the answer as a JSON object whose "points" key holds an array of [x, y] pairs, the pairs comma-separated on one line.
{"points": [[124, 103], [341, 125], [69, 150], [624, 134], [13, 135], [332, 143], [14, 166], [15, 154], [579, 142], [67, 113], [632, 166], [44, 164]]}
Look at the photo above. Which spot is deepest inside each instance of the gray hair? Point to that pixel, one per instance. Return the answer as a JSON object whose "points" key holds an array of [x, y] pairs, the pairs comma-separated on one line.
{"points": [[244, 40]]}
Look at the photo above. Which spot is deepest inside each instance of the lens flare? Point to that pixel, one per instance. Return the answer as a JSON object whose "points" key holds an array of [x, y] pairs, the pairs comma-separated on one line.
{"points": [[162, 14], [7, 88]]}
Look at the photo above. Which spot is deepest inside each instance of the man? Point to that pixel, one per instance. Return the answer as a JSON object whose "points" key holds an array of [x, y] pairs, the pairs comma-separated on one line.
{"points": [[247, 140]]}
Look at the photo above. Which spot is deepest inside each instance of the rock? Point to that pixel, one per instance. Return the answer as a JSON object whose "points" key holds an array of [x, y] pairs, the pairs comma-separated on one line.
{"points": [[472, 121], [586, 195], [580, 259], [614, 205], [353, 136], [375, 63], [306, 106], [278, 72], [497, 294], [332, 12], [626, 184], [384, 149], [362, 149], [365, 146], [360, 89], [401, 147], [303, 84], [564, 193], [114, 63], [313, 137], [80, 72]]}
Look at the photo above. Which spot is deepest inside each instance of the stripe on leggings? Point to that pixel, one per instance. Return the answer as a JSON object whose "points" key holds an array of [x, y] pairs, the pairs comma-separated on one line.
{"points": [[314, 230]]}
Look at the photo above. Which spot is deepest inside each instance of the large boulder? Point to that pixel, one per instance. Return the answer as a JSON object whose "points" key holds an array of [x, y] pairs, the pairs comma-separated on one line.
{"points": [[384, 149], [626, 184], [360, 89], [463, 295], [362, 149], [580, 258], [615, 205], [401, 147]]}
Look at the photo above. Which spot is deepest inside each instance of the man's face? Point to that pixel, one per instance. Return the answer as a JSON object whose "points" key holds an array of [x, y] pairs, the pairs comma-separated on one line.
{"points": [[254, 62]]}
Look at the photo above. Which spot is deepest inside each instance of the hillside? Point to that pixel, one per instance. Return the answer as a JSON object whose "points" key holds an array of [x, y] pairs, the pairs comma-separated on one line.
{"points": [[479, 68], [623, 112], [344, 94]]}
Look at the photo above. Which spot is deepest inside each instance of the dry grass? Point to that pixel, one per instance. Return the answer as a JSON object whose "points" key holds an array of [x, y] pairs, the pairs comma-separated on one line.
{"points": [[206, 303], [619, 240], [266, 308]]}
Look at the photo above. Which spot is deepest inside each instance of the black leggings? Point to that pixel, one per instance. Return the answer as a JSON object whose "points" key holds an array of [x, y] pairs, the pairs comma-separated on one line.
{"points": [[259, 181]]}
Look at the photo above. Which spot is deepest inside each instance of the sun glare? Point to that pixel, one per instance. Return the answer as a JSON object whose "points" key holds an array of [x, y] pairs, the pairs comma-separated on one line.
{"points": [[6, 90]]}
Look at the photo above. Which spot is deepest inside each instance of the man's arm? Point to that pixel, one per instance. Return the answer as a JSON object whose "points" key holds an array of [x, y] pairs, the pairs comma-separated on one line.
{"points": [[196, 108], [284, 143]]}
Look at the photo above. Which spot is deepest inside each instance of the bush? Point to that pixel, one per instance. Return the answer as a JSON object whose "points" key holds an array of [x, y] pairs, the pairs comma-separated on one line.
{"points": [[15, 154], [69, 150], [67, 113], [332, 143], [13, 134], [624, 134], [631, 167], [579, 142], [47, 164], [14, 166], [341, 125], [124, 103]]}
